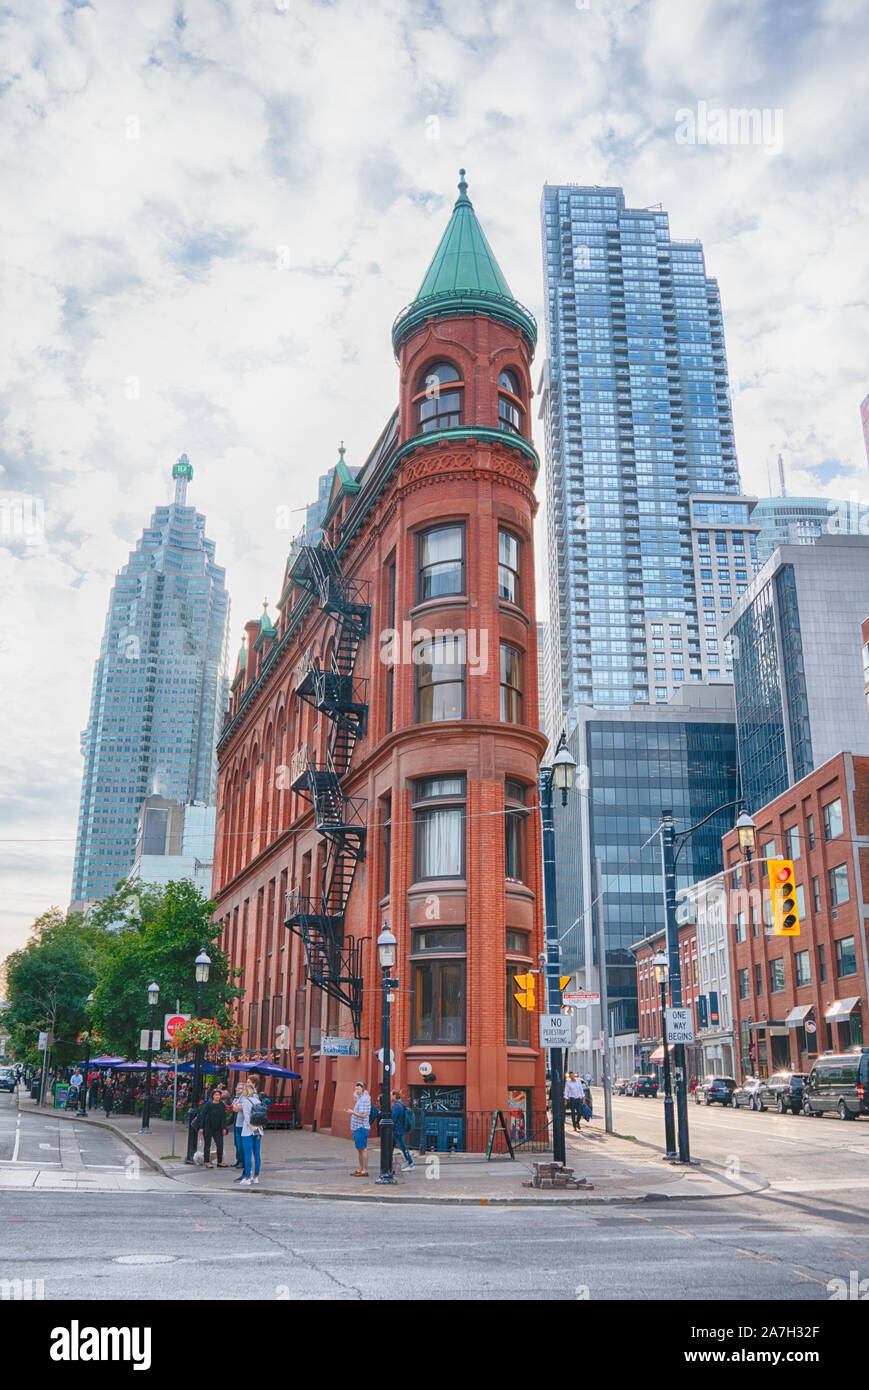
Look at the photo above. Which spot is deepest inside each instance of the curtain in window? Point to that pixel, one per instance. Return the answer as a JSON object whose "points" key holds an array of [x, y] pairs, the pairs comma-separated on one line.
{"points": [[440, 842]]}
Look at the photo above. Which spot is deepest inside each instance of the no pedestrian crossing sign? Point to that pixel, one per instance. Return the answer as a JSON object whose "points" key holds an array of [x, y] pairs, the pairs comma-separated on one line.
{"points": [[680, 1026], [556, 1030]]}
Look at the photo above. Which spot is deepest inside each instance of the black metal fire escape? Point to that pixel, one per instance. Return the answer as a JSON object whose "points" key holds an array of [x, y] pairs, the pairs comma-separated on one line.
{"points": [[333, 956]]}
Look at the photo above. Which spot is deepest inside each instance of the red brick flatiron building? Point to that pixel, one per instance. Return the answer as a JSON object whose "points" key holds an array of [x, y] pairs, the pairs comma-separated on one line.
{"points": [[379, 758]]}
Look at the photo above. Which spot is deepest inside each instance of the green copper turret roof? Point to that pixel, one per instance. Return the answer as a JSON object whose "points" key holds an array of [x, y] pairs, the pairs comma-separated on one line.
{"points": [[464, 277]]}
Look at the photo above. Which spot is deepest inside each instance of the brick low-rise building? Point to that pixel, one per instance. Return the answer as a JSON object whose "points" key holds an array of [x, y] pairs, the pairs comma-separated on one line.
{"points": [[795, 997], [380, 757]]}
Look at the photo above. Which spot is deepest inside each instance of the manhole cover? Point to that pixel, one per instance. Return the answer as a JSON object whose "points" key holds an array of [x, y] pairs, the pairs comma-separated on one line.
{"points": [[145, 1259]]}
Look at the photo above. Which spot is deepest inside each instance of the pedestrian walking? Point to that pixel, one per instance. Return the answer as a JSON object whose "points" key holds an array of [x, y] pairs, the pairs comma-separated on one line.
{"points": [[251, 1109], [212, 1119], [402, 1122], [359, 1127], [108, 1098], [574, 1094]]}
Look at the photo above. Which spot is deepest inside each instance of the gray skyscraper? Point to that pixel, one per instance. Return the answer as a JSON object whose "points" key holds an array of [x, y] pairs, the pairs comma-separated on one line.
{"points": [[159, 691], [636, 405]]}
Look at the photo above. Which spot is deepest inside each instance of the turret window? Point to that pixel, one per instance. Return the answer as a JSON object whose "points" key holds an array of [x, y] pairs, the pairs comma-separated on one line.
{"points": [[438, 400], [510, 407]]}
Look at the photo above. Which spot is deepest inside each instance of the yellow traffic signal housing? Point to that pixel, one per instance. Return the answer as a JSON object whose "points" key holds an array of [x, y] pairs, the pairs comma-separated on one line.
{"points": [[785, 917], [564, 982], [525, 995]]}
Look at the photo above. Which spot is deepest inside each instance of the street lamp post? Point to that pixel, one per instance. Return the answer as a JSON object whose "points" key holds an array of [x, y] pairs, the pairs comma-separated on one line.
{"points": [[670, 852], [559, 774], [83, 1090], [153, 996], [386, 957], [203, 965], [662, 972]]}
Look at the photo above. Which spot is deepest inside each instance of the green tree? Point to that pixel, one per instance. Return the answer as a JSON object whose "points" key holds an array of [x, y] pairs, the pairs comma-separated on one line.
{"points": [[48, 981], [161, 932]]}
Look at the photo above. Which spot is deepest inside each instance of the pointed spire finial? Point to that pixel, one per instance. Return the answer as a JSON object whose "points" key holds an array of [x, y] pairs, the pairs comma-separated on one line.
{"points": [[463, 187], [341, 452], [265, 604]]}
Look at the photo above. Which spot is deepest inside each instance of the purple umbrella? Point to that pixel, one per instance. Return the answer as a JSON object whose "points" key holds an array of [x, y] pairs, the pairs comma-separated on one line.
{"points": [[142, 1066], [265, 1069], [106, 1061]]}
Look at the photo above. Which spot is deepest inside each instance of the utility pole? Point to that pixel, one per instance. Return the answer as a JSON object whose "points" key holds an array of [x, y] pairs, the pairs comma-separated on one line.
{"points": [[668, 866], [604, 1000]]}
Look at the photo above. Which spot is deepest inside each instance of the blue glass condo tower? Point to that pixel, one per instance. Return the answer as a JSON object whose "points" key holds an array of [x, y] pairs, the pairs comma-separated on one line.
{"points": [[159, 691], [637, 414]]}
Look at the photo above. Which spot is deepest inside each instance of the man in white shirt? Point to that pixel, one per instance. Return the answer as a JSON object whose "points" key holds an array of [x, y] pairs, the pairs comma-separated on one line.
{"points": [[574, 1094]]}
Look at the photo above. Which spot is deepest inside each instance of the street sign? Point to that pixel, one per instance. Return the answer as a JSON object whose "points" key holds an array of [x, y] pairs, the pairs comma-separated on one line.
{"points": [[171, 1024], [580, 1001], [339, 1047], [680, 1026], [155, 1040], [556, 1030], [43, 1042], [810, 1026]]}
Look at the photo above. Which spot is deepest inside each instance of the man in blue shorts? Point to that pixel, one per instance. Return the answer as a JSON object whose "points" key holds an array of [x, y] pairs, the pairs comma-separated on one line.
{"points": [[359, 1127]]}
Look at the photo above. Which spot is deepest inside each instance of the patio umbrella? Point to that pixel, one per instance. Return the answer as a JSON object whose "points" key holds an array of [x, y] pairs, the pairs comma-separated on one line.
{"points": [[106, 1061], [142, 1066], [265, 1069]]}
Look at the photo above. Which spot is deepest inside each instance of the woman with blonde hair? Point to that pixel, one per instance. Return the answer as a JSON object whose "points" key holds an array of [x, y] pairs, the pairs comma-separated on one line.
{"points": [[251, 1134]]}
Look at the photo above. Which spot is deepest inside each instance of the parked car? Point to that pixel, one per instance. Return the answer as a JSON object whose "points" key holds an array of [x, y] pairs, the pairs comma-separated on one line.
{"points": [[621, 1085], [7, 1079], [643, 1086], [783, 1091], [839, 1081], [746, 1095], [717, 1090]]}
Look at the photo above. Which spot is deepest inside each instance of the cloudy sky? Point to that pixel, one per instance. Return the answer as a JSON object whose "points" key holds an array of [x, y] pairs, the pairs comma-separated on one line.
{"points": [[213, 210]]}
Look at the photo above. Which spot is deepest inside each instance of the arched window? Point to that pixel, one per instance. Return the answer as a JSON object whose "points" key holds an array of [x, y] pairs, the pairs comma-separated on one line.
{"points": [[438, 400], [510, 407]]}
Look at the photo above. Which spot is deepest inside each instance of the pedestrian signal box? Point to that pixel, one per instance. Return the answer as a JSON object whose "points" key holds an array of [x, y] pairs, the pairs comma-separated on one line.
{"points": [[785, 917]]}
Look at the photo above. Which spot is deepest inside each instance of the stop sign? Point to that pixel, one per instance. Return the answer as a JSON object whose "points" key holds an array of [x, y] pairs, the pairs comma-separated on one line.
{"points": [[171, 1022]]}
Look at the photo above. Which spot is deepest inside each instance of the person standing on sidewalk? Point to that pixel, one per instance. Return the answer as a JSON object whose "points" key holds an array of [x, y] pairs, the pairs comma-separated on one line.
{"points": [[251, 1136], [212, 1118], [574, 1094], [402, 1120], [359, 1127], [239, 1121]]}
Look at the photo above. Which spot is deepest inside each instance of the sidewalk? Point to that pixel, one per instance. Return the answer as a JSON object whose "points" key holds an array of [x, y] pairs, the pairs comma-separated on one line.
{"points": [[299, 1163]]}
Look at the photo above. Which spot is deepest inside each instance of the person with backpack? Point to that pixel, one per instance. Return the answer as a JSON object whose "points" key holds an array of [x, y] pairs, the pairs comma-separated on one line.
{"points": [[253, 1113], [402, 1123]]}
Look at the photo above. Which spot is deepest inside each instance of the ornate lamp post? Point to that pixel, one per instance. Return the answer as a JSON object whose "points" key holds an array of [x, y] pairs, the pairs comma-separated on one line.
{"points": [[561, 775], [83, 1090], [386, 956], [662, 974], [202, 966], [153, 996]]}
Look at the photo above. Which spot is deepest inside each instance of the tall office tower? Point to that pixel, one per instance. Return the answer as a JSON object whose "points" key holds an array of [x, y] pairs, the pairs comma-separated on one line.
{"points": [[159, 691], [636, 405], [799, 683], [801, 520]]}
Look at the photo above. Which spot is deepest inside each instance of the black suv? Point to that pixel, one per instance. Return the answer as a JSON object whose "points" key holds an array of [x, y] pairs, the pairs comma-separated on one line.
{"points": [[784, 1091], [716, 1090], [839, 1083], [644, 1086]]}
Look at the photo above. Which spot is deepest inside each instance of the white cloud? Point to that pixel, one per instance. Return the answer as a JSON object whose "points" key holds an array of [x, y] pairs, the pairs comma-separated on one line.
{"points": [[158, 175]]}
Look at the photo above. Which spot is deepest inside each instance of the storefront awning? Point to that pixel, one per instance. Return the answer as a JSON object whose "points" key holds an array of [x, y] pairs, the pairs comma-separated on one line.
{"points": [[798, 1016], [775, 1023], [658, 1054], [841, 1010]]}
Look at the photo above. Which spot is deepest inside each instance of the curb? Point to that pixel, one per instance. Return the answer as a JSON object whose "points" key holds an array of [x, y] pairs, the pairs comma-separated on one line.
{"points": [[457, 1201]]}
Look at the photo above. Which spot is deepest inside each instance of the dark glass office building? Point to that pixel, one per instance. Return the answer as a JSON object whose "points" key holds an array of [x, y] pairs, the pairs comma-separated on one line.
{"points": [[632, 765]]}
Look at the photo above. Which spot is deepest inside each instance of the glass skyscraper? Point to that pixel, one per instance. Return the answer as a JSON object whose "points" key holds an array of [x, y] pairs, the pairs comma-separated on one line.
{"points": [[159, 691], [637, 415]]}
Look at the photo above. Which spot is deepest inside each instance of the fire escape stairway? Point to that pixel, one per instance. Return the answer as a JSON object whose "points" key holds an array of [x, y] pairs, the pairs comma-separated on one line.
{"points": [[333, 956]]}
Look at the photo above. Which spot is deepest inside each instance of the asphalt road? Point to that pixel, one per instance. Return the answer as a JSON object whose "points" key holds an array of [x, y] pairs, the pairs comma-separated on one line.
{"points": [[140, 1236]]}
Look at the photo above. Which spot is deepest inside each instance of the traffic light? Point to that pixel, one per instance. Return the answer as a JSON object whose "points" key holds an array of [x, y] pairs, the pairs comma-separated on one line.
{"points": [[525, 995], [564, 981], [785, 917]]}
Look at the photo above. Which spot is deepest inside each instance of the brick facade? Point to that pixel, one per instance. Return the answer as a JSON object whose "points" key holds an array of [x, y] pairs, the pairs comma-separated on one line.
{"points": [[482, 479], [828, 961]]}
